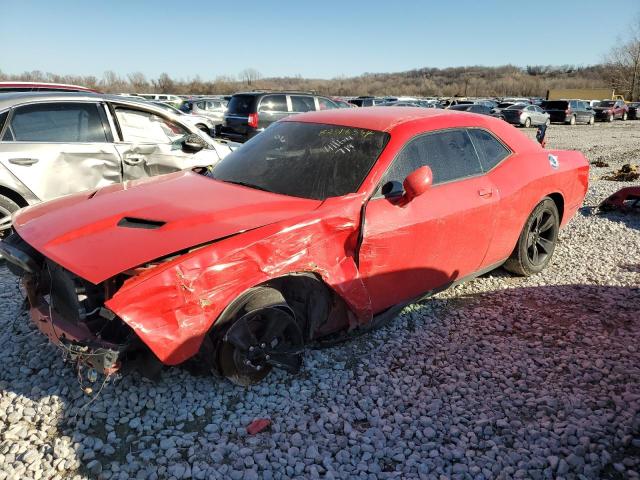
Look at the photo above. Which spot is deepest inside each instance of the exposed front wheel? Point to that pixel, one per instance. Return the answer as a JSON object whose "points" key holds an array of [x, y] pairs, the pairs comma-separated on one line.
{"points": [[7, 208], [263, 335], [537, 240]]}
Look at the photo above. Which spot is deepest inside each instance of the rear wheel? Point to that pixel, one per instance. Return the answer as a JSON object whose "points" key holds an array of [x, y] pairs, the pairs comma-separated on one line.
{"points": [[625, 116], [527, 123], [537, 240], [610, 118], [7, 207], [572, 120], [262, 335]]}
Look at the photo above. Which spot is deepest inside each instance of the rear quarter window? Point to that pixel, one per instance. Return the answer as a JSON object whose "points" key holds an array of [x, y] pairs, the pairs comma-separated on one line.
{"points": [[302, 103], [3, 119], [273, 103], [490, 150]]}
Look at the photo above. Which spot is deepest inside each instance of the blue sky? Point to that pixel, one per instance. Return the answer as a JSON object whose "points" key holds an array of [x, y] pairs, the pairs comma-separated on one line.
{"points": [[313, 39]]}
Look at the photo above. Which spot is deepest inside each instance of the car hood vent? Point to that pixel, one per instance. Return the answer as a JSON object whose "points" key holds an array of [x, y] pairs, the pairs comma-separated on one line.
{"points": [[132, 222]]}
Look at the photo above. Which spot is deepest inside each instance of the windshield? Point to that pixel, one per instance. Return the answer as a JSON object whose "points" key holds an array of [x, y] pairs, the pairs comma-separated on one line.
{"points": [[307, 160]]}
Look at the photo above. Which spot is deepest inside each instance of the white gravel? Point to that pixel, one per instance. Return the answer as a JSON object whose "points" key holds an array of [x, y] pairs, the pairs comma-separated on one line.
{"points": [[500, 378]]}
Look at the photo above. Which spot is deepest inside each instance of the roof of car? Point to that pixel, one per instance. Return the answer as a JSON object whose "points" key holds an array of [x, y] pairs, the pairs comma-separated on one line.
{"points": [[372, 118], [8, 100], [61, 86], [416, 119]]}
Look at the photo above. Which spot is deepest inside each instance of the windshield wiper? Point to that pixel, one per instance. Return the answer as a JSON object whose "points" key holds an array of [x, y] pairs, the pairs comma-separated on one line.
{"points": [[245, 184]]}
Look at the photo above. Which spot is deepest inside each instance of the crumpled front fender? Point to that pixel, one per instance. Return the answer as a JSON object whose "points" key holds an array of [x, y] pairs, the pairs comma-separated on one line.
{"points": [[174, 305]]}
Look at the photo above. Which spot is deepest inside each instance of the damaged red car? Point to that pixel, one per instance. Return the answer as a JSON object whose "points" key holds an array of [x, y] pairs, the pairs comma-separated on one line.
{"points": [[314, 229]]}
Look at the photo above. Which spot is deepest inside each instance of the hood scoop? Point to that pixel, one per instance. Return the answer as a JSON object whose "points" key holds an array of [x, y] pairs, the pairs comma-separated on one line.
{"points": [[133, 222]]}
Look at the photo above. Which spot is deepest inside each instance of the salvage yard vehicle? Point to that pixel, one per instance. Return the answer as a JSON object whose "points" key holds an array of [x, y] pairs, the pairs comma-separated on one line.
{"points": [[10, 87], [213, 108], [609, 110], [525, 115], [201, 122], [633, 110], [472, 108], [315, 229], [250, 113], [569, 111], [54, 144]]}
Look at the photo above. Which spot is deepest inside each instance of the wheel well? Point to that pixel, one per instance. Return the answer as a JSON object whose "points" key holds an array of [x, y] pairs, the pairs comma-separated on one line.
{"points": [[559, 201], [16, 197]]}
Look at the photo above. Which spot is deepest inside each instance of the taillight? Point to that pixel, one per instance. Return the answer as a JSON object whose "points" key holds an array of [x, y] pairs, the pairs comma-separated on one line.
{"points": [[252, 121], [567, 111]]}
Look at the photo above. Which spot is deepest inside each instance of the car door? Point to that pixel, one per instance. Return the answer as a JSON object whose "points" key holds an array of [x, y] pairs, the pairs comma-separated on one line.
{"points": [[58, 148], [438, 237], [151, 144]]}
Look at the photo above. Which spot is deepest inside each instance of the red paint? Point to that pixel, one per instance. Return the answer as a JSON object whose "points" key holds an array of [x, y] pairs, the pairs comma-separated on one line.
{"points": [[446, 233], [258, 426]]}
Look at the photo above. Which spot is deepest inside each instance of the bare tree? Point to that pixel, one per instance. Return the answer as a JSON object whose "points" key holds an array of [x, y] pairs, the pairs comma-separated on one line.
{"points": [[250, 75], [138, 82], [164, 84], [623, 64]]}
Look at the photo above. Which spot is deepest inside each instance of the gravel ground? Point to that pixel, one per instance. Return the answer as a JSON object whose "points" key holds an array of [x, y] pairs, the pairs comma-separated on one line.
{"points": [[502, 377]]}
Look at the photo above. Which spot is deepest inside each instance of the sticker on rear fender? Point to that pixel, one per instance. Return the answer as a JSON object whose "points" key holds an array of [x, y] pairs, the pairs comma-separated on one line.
{"points": [[553, 161]]}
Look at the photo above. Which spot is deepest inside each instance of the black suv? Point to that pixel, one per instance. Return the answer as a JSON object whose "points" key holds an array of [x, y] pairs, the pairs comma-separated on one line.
{"points": [[249, 113], [569, 111]]}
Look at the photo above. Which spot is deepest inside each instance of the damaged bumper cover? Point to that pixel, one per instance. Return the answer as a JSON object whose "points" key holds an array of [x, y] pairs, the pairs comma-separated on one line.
{"points": [[77, 341]]}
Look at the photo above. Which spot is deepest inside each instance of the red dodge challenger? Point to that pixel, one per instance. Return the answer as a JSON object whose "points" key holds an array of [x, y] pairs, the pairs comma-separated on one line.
{"points": [[316, 228]]}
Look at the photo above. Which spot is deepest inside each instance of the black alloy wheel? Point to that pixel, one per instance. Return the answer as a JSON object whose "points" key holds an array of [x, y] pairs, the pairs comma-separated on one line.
{"points": [[259, 341]]}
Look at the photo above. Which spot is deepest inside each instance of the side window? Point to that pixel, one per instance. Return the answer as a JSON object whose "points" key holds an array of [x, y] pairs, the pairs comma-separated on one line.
{"points": [[146, 127], [326, 104], [490, 150], [302, 104], [56, 122], [273, 103], [3, 118], [450, 154], [201, 105]]}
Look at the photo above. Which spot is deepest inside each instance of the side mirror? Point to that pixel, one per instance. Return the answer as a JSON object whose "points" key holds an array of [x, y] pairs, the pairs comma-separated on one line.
{"points": [[192, 144], [417, 182]]}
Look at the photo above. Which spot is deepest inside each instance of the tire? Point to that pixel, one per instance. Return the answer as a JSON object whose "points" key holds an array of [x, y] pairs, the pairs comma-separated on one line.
{"points": [[592, 120], [7, 208], [610, 118], [548, 122], [262, 333], [537, 240], [572, 120], [527, 123], [625, 116]]}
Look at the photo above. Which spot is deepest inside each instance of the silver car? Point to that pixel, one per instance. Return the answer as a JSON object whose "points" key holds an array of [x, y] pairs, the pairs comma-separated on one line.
{"points": [[200, 122], [54, 144], [525, 115], [213, 108]]}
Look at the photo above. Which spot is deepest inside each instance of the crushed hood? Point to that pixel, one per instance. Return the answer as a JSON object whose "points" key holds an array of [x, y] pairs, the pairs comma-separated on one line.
{"points": [[97, 235]]}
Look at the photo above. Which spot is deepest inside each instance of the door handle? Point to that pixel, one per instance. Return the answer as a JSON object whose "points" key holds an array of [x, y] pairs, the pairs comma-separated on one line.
{"points": [[23, 161], [133, 160], [485, 192]]}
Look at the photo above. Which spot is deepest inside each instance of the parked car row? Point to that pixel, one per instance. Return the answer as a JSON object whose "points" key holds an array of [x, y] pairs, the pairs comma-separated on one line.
{"points": [[54, 144]]}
